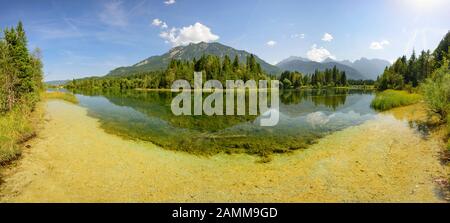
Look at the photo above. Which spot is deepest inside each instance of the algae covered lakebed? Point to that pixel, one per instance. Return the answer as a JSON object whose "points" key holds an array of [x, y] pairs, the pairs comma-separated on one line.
{"points": [[74, 160], [305, 116]]}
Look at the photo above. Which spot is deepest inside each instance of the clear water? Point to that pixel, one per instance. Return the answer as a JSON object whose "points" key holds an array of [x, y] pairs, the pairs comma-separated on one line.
{"points": [[305, 116]]}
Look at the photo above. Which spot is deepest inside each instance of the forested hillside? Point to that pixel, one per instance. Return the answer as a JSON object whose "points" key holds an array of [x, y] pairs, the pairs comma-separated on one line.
{"points": [[189, 53]]}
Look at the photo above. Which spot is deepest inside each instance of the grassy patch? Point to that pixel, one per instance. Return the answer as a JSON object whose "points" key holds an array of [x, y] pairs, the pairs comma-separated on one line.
{"points": [[394, 98], [16, 126], [448, 131], [62, 96]]}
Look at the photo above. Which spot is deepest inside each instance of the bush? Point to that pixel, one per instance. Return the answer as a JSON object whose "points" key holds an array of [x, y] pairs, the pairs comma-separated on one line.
{"points": [[389, 80], [394, 98], [436, 91]]}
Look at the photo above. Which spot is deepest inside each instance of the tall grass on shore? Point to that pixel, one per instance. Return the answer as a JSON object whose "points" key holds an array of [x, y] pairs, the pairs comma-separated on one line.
{"points": [[447, 119], [61, 95], [19, 125], [16, 127], [394, 98]]}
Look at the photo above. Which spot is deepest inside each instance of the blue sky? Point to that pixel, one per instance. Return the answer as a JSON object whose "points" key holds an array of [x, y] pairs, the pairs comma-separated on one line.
{"points": [[84, 38]]}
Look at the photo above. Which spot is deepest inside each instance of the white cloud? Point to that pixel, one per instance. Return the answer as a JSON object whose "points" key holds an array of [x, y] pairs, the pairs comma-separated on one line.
{"points": [[190, 34], [327, 37], [378, 45], [319, 54], [271, 43], [169, 2], [114, 14], [159, 23], [298, 35]]}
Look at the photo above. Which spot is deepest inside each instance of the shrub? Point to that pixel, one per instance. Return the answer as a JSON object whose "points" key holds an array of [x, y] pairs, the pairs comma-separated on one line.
{"points": [[436, 91]]}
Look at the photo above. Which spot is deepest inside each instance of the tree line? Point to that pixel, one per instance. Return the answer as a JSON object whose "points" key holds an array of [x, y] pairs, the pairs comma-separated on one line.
{"points": [[20, 70], [212, 68], [406, 73], [327, 78]]}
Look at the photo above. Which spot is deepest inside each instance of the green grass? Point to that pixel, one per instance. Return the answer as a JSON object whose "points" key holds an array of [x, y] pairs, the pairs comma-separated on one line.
{"points": [[394, 98], [448, 131], [62, 96], [16, 127]]}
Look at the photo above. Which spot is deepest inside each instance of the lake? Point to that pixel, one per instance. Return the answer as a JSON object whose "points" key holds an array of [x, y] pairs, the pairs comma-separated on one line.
{"points": [[305, 117]]}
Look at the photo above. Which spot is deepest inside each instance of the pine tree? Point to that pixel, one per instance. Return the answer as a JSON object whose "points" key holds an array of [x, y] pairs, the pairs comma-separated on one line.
{"points": [[226, 67], [21, 73], [343, 79], [236, 64]]}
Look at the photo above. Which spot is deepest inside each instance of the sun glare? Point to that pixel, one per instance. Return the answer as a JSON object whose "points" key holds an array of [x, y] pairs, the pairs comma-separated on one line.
{"points": [[424, 5]]}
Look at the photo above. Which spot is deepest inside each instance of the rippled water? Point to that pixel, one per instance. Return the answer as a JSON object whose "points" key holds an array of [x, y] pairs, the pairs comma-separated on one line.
{"points": [[305, 116]]}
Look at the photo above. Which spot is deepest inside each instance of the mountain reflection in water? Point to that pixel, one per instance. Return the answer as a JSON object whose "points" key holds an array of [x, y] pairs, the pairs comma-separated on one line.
{"points": [[305, 115]]}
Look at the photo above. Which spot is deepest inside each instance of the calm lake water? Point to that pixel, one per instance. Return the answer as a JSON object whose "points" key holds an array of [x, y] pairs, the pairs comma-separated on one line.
{"points": [[305, 116]]}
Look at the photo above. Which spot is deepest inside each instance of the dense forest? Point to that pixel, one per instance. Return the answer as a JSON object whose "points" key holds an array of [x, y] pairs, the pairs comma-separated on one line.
{"points": [[20, 70], [214, 68], [406, 73], [211, 66], [329, 77]]}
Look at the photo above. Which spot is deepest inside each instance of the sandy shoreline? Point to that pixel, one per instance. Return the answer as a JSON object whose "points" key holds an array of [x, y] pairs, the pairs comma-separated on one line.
{"points": [[74, 160]]}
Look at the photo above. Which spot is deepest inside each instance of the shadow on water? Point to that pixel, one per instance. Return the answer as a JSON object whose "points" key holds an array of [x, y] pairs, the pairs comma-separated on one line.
{"points": [[305, 116]]}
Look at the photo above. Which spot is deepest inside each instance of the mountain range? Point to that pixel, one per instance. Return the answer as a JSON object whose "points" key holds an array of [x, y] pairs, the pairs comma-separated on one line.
{"points": [[308, 67], [189, 52], [360, 69]]}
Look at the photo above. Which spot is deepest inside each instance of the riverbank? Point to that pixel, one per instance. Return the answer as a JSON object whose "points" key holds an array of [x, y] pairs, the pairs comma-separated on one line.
{"points": [[20, 125], [16, 128], [351, 87], [382, 160]]}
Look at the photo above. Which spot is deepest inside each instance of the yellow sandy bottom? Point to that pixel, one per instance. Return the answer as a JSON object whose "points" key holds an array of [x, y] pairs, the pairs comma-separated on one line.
{"points": [[74, 160]]}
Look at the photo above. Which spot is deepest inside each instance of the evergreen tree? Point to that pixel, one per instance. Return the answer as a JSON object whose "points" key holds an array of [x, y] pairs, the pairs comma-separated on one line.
{"points": [[20, 71], [236, 64]]}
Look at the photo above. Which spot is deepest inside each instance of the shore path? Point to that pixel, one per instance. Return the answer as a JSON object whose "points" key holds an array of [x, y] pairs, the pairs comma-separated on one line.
{"points": [[74, 160]]}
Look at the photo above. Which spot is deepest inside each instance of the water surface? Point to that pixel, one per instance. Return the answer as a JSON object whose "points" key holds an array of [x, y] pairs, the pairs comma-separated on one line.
{"points": [[305, 116]]}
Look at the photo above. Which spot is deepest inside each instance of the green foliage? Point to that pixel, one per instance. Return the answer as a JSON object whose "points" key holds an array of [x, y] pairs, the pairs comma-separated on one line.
{"points": [[394, 98], [20, 83], [361, 82], [442, 51], [329, 77], [390, 80], [191, 52], [448, 131], [211, 66], [413, 71], [20, 70], [62, 96], [15, 127], [436, 90]]}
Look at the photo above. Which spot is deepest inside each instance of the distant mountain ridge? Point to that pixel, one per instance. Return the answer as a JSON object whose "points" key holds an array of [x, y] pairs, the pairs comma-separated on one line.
{"points": [[57, 82], [308, 67], [359, 69], [189, 52], [370, 68]]}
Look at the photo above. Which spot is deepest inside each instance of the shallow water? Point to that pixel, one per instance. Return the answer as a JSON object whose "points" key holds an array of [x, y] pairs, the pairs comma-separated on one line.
{"points": [[74, 160], [305, 116]]}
